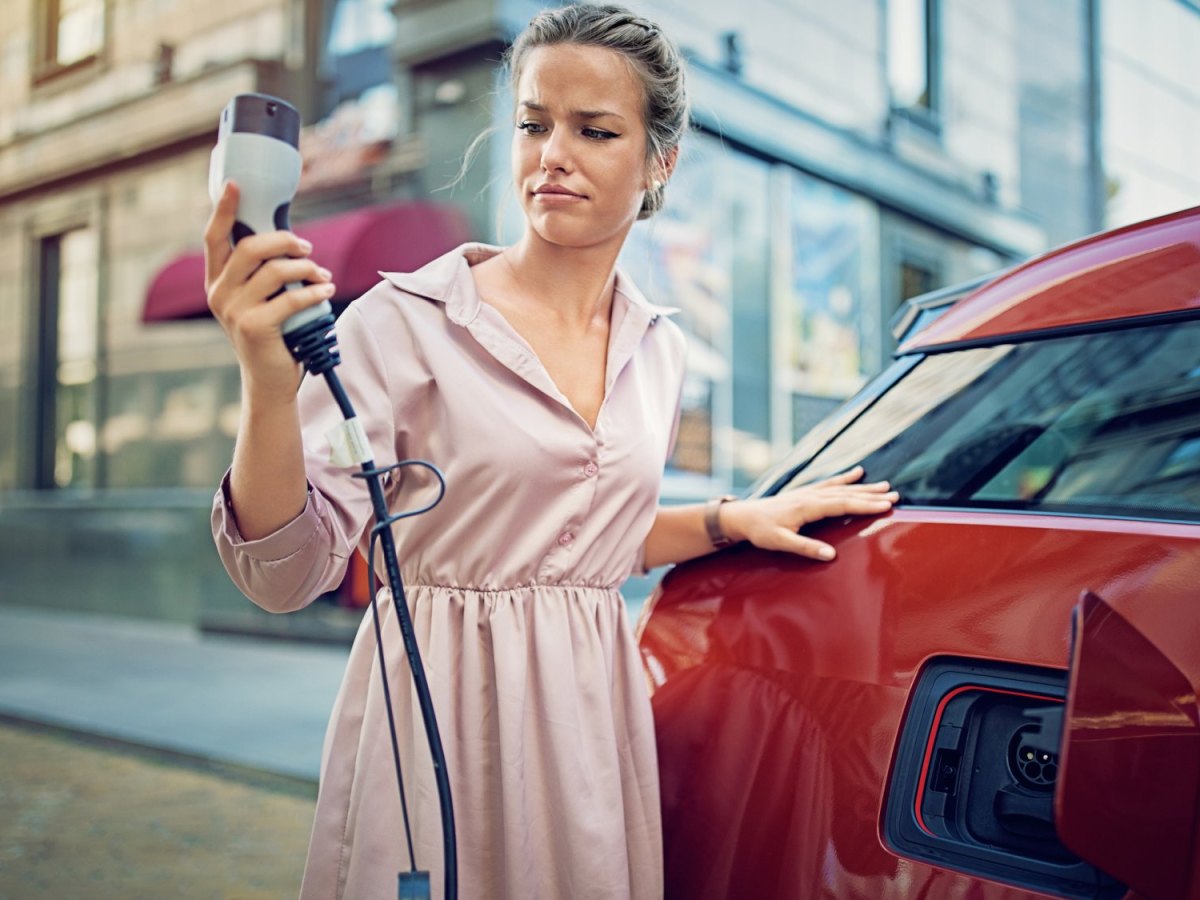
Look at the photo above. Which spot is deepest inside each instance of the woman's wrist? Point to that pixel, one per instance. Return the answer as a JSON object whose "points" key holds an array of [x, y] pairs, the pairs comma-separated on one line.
{"points": [[718, 524]]}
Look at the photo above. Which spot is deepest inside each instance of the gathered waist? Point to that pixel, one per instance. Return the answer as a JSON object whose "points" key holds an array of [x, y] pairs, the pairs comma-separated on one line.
{"points": [[526, 587]]}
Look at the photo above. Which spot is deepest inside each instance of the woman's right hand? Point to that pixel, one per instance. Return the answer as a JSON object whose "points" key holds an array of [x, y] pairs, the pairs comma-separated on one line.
{"points": [[238, 281]]}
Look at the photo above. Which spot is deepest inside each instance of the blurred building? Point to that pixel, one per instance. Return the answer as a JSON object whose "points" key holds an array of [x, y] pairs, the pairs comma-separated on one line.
{"points": [[846, 156]]}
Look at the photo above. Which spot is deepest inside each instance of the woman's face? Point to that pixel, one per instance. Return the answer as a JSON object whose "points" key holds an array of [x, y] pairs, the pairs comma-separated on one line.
{"points": [[579, 149]]}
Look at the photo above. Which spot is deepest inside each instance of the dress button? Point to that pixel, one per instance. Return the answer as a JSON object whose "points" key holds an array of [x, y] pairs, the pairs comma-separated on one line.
{"points": [[565, 538], [590, 469]]}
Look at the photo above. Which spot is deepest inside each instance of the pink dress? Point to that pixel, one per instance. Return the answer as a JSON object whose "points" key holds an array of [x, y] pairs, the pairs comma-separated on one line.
{"points": [[512, 582]]}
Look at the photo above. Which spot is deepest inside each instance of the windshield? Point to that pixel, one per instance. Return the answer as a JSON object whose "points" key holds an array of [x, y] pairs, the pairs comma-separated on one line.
{"points": [[1097, 424]]}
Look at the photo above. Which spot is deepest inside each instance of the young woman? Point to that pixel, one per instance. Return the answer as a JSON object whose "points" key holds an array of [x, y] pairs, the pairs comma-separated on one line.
{"points": [[547, 389]]}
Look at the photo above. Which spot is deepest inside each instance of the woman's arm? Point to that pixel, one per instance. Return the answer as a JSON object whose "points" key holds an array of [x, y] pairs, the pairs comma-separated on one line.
{"points": [[679, 532], [282, 543], [267, 484]]}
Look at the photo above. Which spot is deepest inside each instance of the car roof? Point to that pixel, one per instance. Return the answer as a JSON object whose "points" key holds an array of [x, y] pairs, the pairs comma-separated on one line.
{"points": [[1148, 269]]}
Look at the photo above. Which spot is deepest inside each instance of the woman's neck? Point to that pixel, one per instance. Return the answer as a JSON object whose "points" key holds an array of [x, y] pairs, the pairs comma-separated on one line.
{"points": [[573, 284]]}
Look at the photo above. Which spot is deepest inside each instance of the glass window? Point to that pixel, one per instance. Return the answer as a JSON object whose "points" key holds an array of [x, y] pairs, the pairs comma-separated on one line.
{"points": [[1150, 116], [828, 313], [1103, 423], [73, 31], [917, 277], [776, 275], [682, 257], [917, 259], [68, 393], [170, 428], [356, 50], [911, 53]]}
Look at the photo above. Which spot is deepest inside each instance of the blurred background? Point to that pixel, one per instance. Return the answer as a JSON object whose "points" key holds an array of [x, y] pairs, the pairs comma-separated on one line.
{"points": [[845, 156]]}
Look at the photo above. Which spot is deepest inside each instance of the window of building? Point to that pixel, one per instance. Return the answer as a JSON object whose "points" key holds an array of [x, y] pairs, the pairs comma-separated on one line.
{"points": [[917, 277], [1150, 109], [68, 361], [916, 259], [71, 32], [354, 57], [912, 56], [826, 311], [682, 258]]}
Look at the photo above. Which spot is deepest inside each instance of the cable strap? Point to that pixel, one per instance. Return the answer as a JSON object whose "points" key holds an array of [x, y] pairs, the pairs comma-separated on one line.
{"points": [[348, 444]]}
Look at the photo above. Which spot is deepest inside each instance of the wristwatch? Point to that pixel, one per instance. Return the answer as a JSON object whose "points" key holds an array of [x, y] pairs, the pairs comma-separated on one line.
{"points": [[712, 521]]}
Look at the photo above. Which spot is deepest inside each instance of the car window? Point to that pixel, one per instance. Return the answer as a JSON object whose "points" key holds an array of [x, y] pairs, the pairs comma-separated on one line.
{"points": [[1104, 423]]}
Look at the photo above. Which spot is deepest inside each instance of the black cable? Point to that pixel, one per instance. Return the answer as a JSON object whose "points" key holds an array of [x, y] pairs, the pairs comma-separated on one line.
{"points": [[315, 346], [387, 699], [375, 532]]}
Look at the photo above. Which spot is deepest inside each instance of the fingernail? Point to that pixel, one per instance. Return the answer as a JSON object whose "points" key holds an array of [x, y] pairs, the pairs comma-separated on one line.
{"points": [[324, 273], [306, 246], [826, 553], [327, 289]]}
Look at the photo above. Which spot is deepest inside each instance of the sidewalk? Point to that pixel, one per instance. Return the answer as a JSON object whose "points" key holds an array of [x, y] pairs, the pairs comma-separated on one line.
{"points": [[245, 702], [82, 819]]}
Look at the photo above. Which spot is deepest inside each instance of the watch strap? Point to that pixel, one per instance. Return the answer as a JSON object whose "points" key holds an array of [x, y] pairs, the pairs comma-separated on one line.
{"points": [[712, 521]]}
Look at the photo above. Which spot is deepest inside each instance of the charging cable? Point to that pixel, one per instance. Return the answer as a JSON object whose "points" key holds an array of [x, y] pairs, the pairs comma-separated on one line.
{"points": [[258, 147]]}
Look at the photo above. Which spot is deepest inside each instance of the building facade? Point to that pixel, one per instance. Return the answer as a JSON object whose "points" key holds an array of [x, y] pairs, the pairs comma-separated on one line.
{"points": [[844, 157]]}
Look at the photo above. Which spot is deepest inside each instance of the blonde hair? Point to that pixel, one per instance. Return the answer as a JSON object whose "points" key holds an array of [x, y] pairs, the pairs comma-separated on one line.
{"points": [[652, 56]]}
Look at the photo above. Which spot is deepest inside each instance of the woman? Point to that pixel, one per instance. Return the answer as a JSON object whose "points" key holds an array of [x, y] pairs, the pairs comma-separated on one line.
{"points": [[547, 389]]}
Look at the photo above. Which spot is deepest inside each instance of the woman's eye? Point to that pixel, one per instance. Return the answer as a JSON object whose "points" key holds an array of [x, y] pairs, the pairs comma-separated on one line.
{"points": [[531, 127], [598, 134]]}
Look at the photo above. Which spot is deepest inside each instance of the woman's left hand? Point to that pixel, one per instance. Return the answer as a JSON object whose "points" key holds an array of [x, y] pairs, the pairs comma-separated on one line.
{"points": [[772, 523]]}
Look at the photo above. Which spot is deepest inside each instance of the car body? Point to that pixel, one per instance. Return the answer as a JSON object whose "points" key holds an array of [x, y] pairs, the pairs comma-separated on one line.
{"points": [[991, 692]]}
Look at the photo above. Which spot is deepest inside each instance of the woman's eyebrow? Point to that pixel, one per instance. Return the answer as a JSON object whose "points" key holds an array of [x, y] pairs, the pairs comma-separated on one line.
{"points": [[578, 113]]}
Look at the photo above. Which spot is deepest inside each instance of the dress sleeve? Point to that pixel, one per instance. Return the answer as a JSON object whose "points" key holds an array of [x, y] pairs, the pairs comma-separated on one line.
{"points": [[288, 569]]}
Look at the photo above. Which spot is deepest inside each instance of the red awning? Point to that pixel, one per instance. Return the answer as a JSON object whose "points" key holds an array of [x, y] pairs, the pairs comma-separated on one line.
{"points": [[354, 246]]}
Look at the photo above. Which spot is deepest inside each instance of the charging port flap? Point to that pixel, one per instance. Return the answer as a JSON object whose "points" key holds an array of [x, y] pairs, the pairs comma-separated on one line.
{"points": [[1129, 793]]}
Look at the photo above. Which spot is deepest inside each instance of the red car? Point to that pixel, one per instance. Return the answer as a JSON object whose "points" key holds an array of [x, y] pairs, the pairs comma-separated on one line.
{"points": [[992, 691]]}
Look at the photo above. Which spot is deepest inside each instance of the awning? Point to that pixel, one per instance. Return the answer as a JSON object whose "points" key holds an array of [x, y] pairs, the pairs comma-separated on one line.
{"points": [[355, 246]]}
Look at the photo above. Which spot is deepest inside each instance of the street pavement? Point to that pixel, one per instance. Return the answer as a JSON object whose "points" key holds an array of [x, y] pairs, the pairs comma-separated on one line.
{"points": [[85, 819], [254, 703], [143, 759]]}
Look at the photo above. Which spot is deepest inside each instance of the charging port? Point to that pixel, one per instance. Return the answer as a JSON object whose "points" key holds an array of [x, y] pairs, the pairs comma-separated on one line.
{"points": [[973, 779]]}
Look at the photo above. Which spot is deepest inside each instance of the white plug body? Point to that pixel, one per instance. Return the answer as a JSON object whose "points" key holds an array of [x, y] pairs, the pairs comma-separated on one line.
{"points": [[267, 173]]}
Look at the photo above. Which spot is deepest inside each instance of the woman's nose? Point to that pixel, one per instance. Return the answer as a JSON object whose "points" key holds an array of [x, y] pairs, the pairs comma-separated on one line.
{"points": [[556, 154]]}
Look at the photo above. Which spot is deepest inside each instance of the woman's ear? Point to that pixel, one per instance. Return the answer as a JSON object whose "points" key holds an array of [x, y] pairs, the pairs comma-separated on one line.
{"points": [[668, 161], [661, 169]]}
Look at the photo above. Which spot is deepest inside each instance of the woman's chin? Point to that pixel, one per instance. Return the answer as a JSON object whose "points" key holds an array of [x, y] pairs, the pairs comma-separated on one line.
{"points": [[575, 232]]}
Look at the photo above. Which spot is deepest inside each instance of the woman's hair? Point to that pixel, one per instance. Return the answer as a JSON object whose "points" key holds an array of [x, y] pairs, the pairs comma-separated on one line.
{"points": [[651, 55]]}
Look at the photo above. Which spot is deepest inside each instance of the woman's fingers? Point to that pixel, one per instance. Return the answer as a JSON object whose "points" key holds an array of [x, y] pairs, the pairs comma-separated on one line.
{"points": [[254, 251], [848, 477], [277, 273], [243, 284], [268, 318], [256, 270], [803, 545], [232, 266], [216, 234], [774, 523], [831, 506]]}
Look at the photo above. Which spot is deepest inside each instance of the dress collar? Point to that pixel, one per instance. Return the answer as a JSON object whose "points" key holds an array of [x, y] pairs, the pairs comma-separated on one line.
{"points": [[447, 280]]}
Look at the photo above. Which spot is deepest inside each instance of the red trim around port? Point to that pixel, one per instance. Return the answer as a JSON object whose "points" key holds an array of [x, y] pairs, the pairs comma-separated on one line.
{"points": [[933, 728]]}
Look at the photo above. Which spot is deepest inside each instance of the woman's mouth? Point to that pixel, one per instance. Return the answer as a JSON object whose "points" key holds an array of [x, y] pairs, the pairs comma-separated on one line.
{"points": [[556, 192]]}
